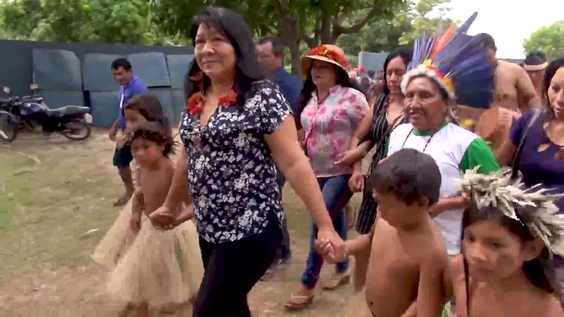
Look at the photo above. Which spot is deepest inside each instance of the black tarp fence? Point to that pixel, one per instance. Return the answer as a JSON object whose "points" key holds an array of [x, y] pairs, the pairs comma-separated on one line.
{"points": [[79, 74]]}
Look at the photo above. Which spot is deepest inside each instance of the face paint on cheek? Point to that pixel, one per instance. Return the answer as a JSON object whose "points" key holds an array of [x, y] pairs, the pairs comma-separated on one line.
{"points": [[506, 261]]}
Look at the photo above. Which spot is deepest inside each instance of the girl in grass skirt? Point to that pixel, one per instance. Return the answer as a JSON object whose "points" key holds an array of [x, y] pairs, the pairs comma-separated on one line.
{"points": [[151, 267]]}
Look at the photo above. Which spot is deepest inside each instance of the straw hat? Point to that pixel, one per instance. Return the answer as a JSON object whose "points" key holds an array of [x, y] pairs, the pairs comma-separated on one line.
{"points": [[326, 53]]}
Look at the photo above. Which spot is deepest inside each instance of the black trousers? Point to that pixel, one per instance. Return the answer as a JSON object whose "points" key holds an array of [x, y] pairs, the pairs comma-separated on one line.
{"points": [[231, 271], [285, 249]]}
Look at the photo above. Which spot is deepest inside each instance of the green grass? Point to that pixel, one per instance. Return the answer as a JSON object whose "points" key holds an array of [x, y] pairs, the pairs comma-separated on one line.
{"points": [[54, 213], [14, 168], [46, 208]]}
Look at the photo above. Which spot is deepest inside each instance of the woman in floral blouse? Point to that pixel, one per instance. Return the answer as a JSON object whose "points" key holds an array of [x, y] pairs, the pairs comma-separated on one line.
{"points": [[237, 126], [332, 111]]}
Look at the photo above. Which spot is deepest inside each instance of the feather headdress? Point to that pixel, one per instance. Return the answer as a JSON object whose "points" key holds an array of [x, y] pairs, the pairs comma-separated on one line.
{"points": [[457, 62], [533, 207]]}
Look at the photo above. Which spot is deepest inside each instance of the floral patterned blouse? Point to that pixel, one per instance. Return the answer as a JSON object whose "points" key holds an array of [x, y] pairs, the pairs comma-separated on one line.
{"points": [[231, 172], [329, 126]]}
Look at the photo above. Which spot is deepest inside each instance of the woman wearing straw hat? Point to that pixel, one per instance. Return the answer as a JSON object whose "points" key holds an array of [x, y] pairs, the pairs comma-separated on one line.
{"points": [[332, 108]]}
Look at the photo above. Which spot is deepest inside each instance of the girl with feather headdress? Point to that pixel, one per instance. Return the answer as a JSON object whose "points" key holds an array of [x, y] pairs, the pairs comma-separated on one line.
{"points": [[510, 235]]}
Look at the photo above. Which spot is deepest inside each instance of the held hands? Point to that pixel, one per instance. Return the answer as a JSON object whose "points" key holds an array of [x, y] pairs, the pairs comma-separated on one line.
{"points": [[326, 250], [162, 218], [356, 182], [330, 245], [350, 157]]}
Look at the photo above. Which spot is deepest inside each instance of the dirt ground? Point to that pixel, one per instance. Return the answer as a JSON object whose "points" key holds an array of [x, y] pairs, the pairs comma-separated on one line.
{"points": [[56, 204]]}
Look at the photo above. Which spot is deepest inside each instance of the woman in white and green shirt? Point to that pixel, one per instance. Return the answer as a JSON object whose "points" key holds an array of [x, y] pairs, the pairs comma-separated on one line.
{"points": [[454, 149]]}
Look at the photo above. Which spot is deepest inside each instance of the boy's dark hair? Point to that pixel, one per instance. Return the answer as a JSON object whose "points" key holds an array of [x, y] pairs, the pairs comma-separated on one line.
{"points": [[408, 174], [121, 62], [158, 132]]}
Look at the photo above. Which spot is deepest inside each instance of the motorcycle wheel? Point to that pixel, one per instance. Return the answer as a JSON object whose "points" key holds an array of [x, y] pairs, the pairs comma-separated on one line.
{"points": [[9, 127], [76, 130]]}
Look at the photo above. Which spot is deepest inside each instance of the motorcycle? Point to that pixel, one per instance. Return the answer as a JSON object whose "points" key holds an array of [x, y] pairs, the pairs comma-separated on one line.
{"points": [[73, 122]]}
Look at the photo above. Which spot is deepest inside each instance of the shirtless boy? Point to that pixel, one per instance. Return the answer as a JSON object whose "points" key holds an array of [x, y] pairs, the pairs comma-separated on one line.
{"points": [[407, 252]]}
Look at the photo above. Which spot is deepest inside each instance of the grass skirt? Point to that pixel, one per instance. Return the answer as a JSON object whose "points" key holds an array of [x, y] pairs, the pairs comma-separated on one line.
{"points": [[117, 240], [160, 268]]}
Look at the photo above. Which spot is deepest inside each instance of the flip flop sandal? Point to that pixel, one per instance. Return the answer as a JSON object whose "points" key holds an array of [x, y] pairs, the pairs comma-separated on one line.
{"points": [[335, 282], [299, 302]]}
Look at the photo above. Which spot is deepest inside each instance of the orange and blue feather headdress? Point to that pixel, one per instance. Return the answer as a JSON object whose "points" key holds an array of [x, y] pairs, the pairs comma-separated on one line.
{"points": [[457, 62]]}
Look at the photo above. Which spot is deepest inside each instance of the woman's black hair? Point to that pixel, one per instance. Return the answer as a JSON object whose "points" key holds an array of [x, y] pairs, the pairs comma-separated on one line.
{"points": [[405, 57], [343, 79], [538, 271], [535, 58], [231, 25], [158, 132], [549, 72]]}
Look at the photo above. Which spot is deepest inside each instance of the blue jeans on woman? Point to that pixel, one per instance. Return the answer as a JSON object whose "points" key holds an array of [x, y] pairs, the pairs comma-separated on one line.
{"points": [[336, 194]]}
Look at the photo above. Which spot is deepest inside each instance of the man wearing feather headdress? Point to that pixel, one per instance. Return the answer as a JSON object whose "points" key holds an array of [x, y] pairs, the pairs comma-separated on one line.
{"points": [[513, 90]]}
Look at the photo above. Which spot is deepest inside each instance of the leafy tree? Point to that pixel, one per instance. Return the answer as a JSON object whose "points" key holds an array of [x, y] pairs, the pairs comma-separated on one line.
{"points": [[547, 39], [311, 21], [401, 30], [377, 36], [426, 16], [105, 21]]}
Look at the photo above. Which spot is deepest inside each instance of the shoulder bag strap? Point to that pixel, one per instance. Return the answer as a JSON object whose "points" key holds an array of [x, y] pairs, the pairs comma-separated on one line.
{"points": [[523, 136]]}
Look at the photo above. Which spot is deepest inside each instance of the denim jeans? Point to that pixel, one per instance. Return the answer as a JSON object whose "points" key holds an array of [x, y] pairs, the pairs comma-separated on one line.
{"points": [[336, 194]]}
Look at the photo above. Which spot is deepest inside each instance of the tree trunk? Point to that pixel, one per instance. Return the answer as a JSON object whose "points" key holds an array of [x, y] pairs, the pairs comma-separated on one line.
{"points": [[290, 33], [295, 55], [326, 30]]}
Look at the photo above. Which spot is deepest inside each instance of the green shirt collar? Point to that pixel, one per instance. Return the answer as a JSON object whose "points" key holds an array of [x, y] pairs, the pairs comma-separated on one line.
{"points": [[428, 132]]}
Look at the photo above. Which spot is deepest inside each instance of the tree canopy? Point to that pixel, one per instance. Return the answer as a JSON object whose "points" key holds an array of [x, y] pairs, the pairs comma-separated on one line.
{"points": [[376, 25], [406, 24], [548, 39], [103, 21]]}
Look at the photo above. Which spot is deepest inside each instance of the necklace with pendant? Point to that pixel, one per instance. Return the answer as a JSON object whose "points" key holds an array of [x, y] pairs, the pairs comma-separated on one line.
{"points": [[426, 144]]}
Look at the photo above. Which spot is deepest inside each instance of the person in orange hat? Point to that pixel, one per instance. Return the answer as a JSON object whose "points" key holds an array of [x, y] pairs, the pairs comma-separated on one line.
{"points": [[332, 109]]}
